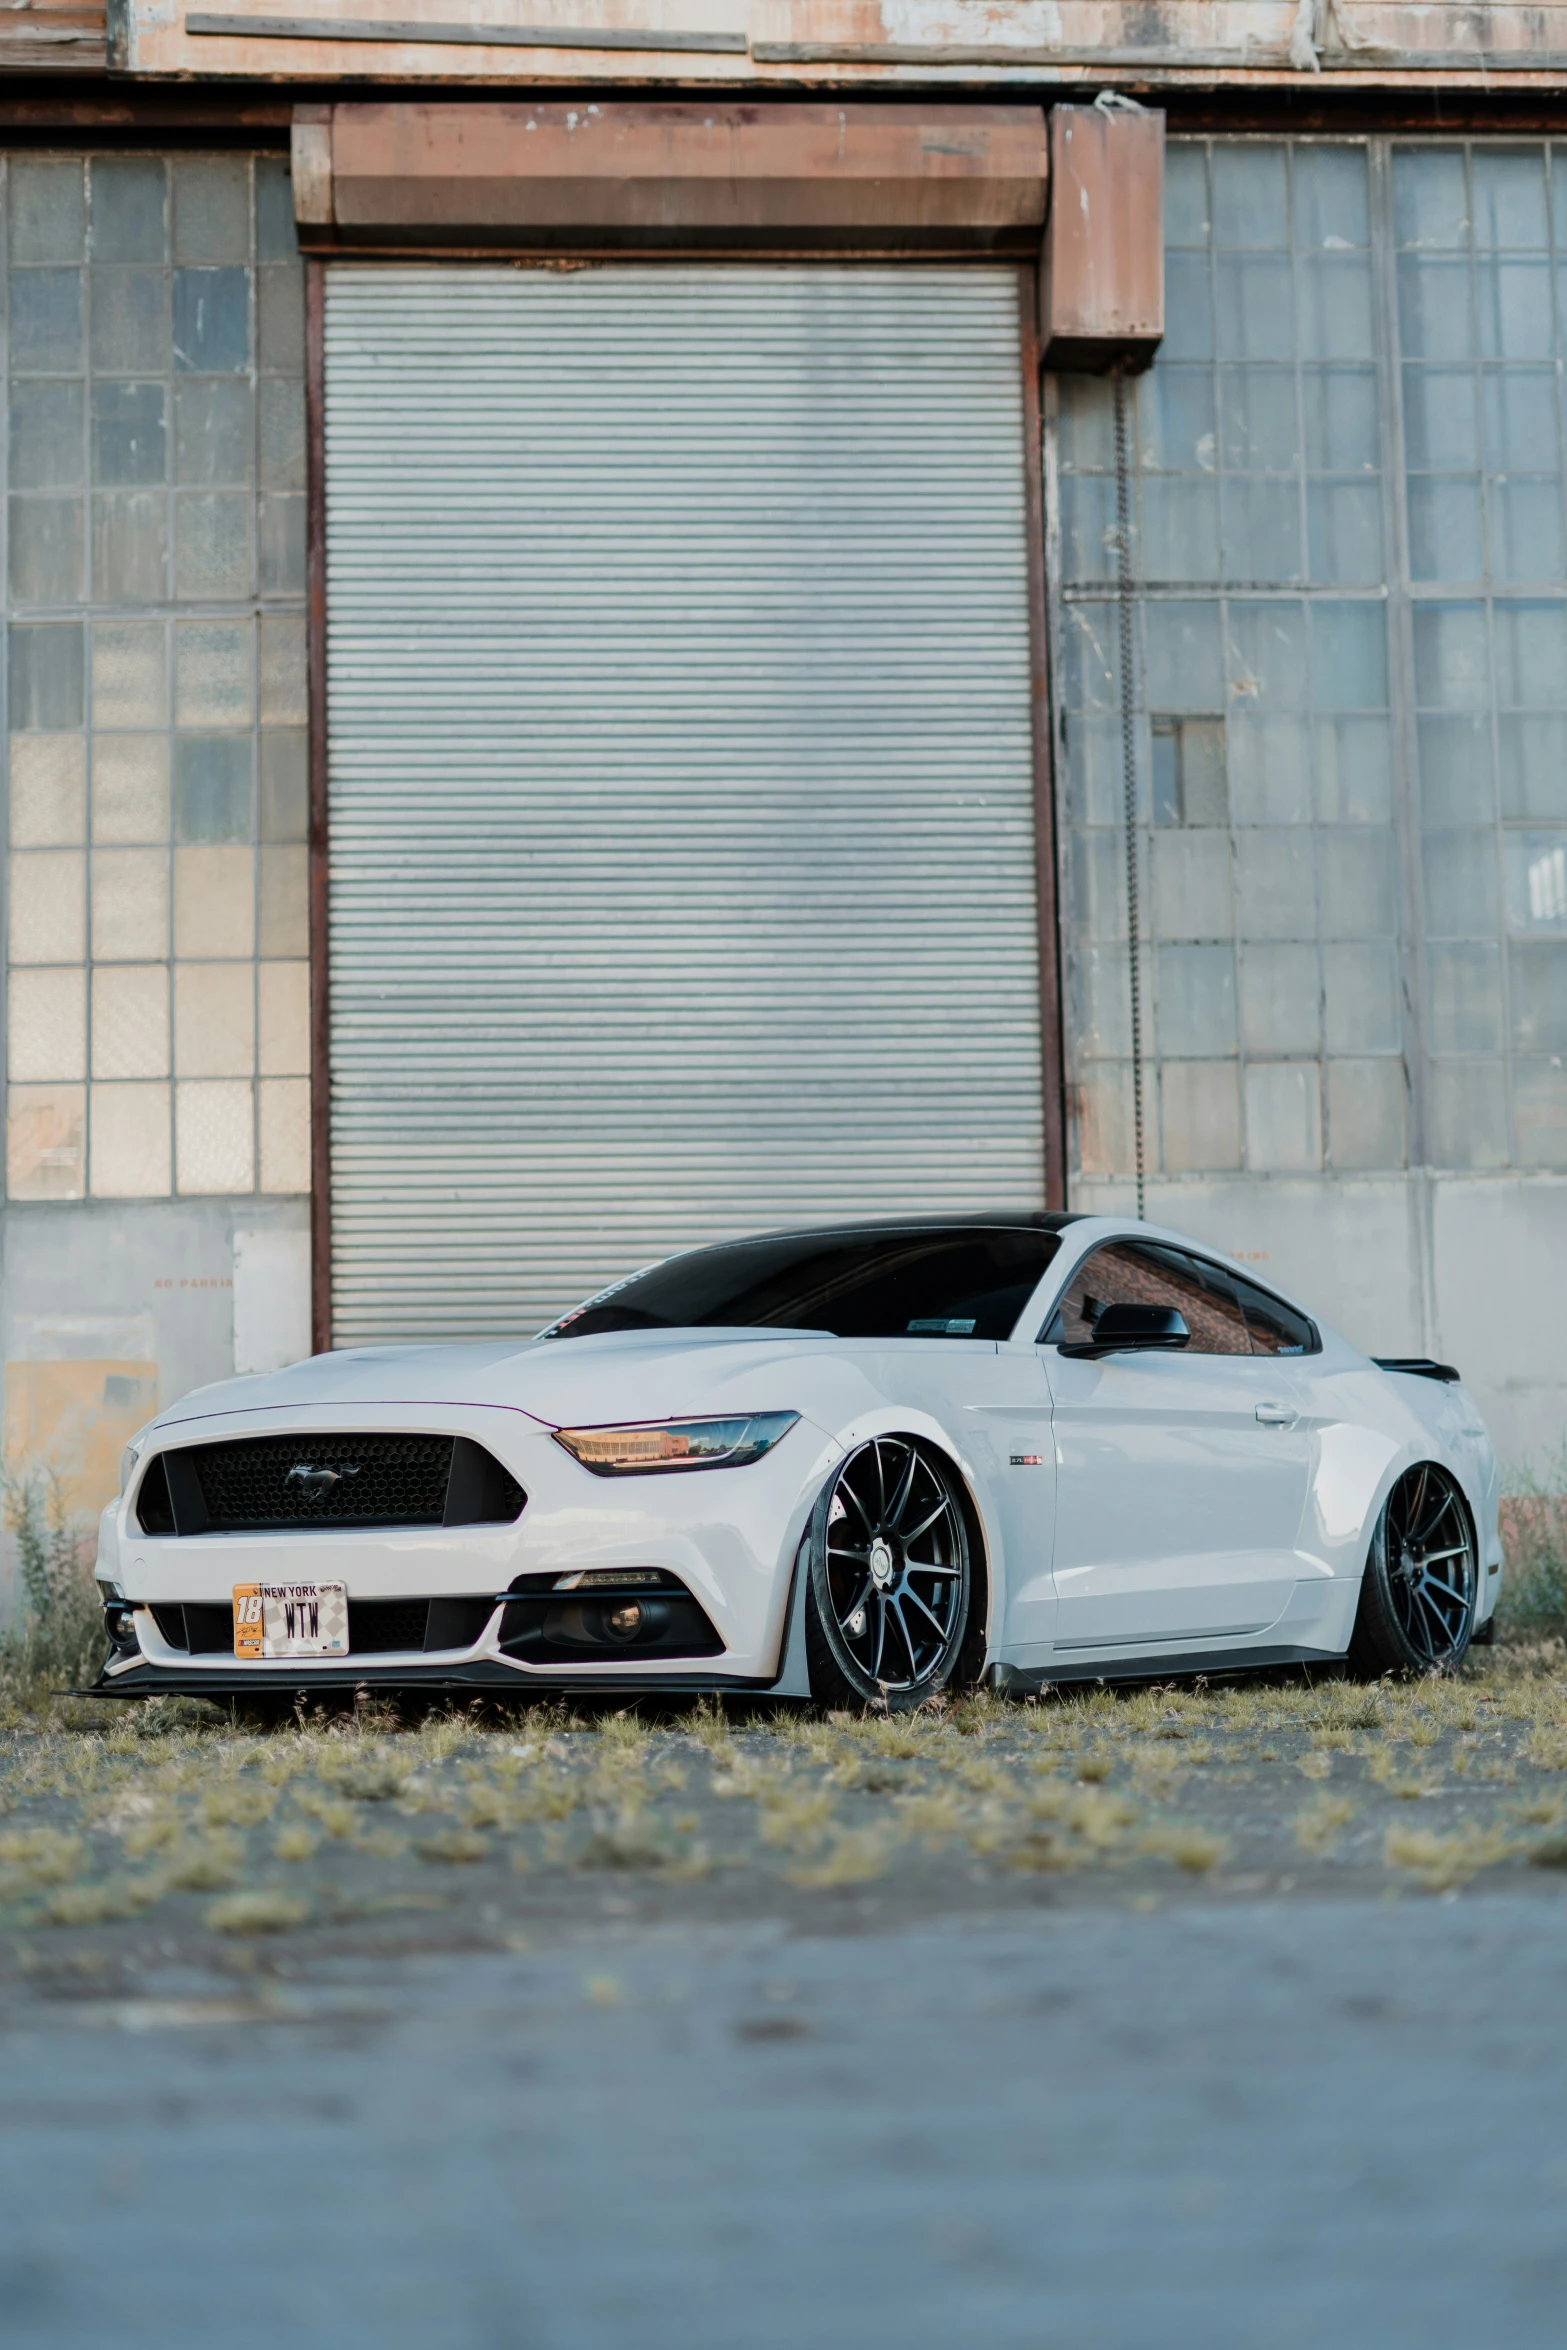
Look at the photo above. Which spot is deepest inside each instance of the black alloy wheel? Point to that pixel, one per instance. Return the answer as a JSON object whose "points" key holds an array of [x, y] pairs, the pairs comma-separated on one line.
{"points": [[1417, 1598], [888, 1599]]}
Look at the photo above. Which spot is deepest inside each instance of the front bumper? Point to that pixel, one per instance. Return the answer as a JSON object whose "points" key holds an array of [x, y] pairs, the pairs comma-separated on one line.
{"points": [[727, 1536]]}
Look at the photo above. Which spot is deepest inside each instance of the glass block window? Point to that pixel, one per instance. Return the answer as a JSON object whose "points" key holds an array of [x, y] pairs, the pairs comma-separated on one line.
{"points": [[157, 982], [1350, 672]]}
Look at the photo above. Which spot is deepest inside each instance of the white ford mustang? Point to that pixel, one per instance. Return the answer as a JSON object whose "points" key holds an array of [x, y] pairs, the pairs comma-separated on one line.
{"points": [[850, 1464]]}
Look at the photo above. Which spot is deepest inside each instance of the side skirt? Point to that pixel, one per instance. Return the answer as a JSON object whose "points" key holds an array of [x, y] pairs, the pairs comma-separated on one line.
{"points": [[1020, 1681]]}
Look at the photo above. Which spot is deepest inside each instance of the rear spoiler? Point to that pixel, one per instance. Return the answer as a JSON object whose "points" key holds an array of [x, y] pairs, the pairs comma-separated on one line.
{"points": [[1418, 1367]]}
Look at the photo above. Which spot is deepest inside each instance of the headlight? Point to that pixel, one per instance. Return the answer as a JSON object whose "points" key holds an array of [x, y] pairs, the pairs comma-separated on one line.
{"points": [[131, 1455], [652, 1448]]}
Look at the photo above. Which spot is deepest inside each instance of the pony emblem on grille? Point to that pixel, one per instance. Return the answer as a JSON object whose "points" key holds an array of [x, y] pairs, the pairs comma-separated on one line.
{"points": [[318, 1480]]}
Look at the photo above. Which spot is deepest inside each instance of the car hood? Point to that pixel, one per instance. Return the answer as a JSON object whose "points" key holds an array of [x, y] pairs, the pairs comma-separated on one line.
{"points": [[630, 1375]]}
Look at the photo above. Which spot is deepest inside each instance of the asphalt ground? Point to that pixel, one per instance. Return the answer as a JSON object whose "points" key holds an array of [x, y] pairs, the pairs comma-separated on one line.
{"points": [[1231, 2016]]}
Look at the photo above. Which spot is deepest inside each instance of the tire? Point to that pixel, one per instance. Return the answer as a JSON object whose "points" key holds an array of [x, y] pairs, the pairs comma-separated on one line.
{"points": [[889, 1578], [1418, 1593]]}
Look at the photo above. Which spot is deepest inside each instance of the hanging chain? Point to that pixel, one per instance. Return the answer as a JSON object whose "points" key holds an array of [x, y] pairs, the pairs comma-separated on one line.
{"points": [[1123, 562]]}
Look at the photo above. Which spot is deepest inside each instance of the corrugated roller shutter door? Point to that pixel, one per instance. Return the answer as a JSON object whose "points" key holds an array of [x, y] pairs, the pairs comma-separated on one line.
{"points": [[681, 876]]}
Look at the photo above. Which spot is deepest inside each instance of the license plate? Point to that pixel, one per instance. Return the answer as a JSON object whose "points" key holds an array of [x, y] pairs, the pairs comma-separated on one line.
{"points": [[290, 1619]]}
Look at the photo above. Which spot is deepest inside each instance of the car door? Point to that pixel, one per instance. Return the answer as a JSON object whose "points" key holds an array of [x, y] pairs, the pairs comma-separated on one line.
{"points": [[1180, 1476]]}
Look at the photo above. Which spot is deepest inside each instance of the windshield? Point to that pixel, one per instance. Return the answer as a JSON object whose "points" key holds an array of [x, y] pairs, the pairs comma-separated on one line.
{"points": [[960, 1282]]}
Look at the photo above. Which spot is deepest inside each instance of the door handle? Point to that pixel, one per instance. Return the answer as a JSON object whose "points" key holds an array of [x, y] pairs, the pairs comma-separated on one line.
{"points": [[1276, 1415]]}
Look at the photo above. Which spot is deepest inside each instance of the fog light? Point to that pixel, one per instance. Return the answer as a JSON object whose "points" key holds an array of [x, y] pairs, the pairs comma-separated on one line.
{"points": [[623, 1623]]}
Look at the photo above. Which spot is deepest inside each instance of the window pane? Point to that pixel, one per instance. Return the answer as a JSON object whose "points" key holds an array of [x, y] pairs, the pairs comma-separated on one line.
{"points": [[1469, 1114], [1275, 886], [1250, 203], [1200, 1116], [48, 790], [48, 906], [283, 1111], [1433, 308], [1348, 656], [130, 787], [1430, 196], [128, 434], [46, 1021], [1334, 309], [129, 208], [46, 676], [1266, 651], [1441, 419], [215, 1127], [130, 1020], [1540, 1109], [1257, 419], [211, 321], [1524, 528], [214, 902], [1280, 999], [1539, 997], [1342, 432], [1185, 193], [1344, 532], [1270, 770], [1533, 755], [214, 1019], [1283, 1118], [130, 1141], [1466, 998], [1254, 308], [1520, 420], [211, 209], [1188, 307], [44, 1129], [1361, 998], [1513, 308], [1455, 771], [1531, 655], [1274, 1328], [1444, 528], [1452, 671], [1196, 1000], [48, 211], [1330, 197], [1182, 668], [213, 787], [46, 320], [1460, 884], [1358, 886], [1366, 1115], [1509, 196], [1259, 532], [130, 673]]}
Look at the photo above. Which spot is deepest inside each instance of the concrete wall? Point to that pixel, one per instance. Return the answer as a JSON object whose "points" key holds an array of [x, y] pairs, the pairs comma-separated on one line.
{"points": [[111, 1310]]}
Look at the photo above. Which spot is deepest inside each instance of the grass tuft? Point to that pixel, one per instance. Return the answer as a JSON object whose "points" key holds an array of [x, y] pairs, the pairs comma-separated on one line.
{"points": [[265, 1911]]}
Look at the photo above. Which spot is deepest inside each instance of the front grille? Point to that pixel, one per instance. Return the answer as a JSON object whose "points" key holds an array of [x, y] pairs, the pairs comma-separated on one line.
{"points": [[376, 1627], [298, 1482]]}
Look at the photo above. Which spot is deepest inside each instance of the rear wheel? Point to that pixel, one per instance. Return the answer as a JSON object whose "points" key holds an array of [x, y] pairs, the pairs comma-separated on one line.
{"points": [[887, 1603], [1417, 1597]]}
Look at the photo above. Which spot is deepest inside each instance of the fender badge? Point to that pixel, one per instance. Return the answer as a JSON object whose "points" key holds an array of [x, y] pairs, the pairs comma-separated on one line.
{"points": [[1028, 1460]]}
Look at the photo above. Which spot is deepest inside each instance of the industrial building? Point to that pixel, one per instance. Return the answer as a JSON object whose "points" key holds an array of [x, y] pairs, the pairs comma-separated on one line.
{"points": [[589, 592]]}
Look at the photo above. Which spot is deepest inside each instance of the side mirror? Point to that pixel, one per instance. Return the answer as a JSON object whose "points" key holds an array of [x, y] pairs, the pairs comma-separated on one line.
{"points": [[1128, 1329]]}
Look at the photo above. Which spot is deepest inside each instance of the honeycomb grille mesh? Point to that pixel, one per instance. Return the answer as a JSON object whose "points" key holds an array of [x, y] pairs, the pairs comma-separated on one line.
{"points": [[371, 1481]]}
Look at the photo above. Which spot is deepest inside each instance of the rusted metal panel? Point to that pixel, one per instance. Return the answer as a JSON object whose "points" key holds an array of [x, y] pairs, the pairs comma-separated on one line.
{"points": [[1102, 271], [649, 176], [855, 44]]}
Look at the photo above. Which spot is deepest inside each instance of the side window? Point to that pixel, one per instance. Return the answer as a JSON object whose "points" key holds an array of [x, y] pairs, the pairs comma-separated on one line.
{"points": [[1142, 1273], [1276, 1329]]}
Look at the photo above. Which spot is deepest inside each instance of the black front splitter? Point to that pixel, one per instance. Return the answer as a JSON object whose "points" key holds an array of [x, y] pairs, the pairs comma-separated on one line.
{"points": [[480, 1678]]}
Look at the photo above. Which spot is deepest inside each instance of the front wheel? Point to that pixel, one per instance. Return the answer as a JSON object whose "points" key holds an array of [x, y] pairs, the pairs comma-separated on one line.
{"points": [[1417, 1597], [887, 1603]]}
